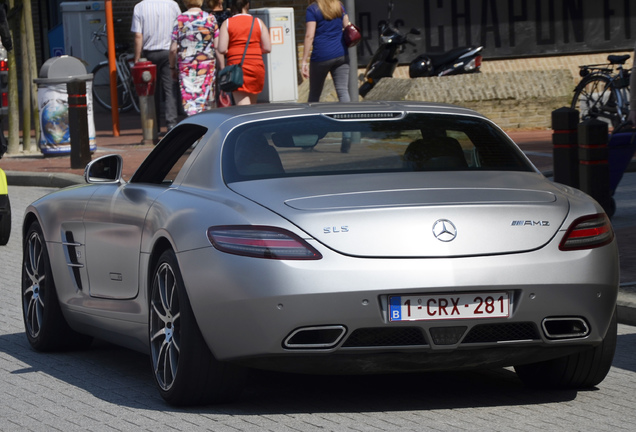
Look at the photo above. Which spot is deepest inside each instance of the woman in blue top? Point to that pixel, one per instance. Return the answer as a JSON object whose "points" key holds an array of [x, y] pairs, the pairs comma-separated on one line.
{"points": [[325, 20]]}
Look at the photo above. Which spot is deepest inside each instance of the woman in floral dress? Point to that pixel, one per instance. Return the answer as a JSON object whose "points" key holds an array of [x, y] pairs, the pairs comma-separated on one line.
{"points": [[193, 57]]}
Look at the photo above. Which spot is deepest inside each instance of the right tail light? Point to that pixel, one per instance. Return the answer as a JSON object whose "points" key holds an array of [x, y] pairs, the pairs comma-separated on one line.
{"points": [[588, 232]]}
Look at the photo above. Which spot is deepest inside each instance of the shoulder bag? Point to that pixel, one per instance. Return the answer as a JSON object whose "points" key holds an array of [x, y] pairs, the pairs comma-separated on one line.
{"points": [[351, 34], [231, 77]]}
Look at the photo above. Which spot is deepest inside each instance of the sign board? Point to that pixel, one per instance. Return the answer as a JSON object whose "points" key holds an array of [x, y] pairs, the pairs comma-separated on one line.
{"points": [[506, 28]]}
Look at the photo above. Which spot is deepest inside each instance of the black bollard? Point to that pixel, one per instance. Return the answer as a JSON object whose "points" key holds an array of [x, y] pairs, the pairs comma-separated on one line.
{"points": [[565, 149], [594, 178], [78, 123]]}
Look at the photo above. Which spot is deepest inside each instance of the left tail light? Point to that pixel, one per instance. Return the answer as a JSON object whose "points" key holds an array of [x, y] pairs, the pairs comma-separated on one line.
{"points": [[588, 232], [261, 242], [4, 67]]}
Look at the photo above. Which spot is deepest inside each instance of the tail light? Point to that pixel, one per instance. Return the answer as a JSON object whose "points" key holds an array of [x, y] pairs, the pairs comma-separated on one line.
{"points": [[473, 64], [4, 98], [588, 232], [261, 242]]}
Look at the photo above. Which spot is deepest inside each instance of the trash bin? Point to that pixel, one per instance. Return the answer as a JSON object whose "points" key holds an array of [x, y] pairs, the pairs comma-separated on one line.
{"points": [[55, 74], [144, 75]]}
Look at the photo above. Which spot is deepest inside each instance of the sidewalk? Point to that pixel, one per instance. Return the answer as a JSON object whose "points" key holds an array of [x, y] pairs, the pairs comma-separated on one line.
{"points": [[33, 169]]}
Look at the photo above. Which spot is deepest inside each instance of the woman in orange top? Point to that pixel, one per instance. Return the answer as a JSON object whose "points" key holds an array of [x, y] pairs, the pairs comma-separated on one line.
{"points": [[232, 39]]}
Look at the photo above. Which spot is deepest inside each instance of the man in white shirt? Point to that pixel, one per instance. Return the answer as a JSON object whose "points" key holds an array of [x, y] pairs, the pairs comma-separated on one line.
{"points": [[152, 23]]}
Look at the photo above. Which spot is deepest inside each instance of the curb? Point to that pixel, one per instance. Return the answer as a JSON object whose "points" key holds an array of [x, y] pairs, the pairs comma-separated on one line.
{"points": [[56, 180]]}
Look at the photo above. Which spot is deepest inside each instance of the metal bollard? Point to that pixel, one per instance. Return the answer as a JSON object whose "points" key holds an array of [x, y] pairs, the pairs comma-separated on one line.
{"points": [[144, 75], [565, 149], [78, 123], [594, 175]]}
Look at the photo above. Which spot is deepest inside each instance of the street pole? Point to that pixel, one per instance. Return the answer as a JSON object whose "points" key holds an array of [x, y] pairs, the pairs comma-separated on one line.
{"points": [[353, 56], [112, 63]]}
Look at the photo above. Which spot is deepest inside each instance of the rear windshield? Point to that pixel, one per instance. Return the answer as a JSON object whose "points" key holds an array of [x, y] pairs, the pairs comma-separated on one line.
{"points": [[321, 145]]}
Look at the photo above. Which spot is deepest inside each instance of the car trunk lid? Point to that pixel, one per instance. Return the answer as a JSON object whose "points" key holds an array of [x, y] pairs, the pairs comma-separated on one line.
{"points": [[451, 217]]}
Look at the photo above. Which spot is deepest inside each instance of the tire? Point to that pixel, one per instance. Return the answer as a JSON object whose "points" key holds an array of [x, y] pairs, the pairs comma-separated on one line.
{"points": [[101, 89], [595, 98], [46, 328], [365, 88], [5, 224], [576, 371], [183, 367]]}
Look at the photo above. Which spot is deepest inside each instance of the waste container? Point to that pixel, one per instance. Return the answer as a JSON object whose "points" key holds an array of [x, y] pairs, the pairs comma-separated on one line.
{"points": [[144, 75], [55, 74]]}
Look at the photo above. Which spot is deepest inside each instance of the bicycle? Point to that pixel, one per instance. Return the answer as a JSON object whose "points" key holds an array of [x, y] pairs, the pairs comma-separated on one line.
{"points": [[126, 95], [603, 93]]}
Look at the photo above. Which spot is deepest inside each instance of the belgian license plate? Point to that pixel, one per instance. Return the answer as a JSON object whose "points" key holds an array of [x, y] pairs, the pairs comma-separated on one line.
{"points": [[449, 306]]}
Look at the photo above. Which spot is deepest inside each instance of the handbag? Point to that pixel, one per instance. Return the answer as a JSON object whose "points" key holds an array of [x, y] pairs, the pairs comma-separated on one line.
{"points": [[352, 35], [231, 77]]}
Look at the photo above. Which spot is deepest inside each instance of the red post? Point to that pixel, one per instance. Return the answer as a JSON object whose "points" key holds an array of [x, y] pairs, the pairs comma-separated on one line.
{"points": [[112, 62]]}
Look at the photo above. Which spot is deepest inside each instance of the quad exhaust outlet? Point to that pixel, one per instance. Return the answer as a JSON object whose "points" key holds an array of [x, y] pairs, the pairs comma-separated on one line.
{"points": [[320, 337], [565, 328]]}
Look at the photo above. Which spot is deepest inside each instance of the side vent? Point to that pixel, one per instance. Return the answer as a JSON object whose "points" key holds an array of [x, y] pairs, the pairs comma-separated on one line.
{"points": [[73, 256]]}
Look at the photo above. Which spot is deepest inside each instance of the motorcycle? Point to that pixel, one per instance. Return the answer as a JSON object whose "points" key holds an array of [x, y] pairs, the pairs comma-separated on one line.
{"points": [[460, 60]]}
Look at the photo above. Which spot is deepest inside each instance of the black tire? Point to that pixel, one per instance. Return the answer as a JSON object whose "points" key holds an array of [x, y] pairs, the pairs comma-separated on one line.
{"points": [[183, 367], [595, 98], [5, 224], [365, 88], [101, 89], [576, 371], [46, 328]]}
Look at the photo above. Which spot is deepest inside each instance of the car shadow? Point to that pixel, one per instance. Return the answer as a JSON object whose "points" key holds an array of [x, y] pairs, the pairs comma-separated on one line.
{"points": [[120, 376]]}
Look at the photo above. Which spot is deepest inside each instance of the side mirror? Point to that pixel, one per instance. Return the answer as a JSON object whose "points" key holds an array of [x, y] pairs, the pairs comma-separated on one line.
{"points": [[106, 169]]}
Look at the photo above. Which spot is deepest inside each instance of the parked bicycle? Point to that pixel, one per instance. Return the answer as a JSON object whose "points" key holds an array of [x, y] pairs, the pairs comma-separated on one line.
{"points": [[603, 93], [126, 95]]}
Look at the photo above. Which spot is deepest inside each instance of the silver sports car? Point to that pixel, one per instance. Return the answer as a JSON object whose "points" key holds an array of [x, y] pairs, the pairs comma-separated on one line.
{"points": [[326, 238]]}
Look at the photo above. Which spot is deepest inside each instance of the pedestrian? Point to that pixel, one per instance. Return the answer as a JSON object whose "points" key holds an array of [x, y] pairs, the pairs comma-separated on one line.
{"points": [[325, 20], [194, 58], [632, 94], [152, 24], [220, 12], [5, 32], [232, 41]]}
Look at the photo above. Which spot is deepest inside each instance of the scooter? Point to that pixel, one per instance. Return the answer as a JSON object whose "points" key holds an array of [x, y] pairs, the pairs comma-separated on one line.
{"points": [[392, 43]]}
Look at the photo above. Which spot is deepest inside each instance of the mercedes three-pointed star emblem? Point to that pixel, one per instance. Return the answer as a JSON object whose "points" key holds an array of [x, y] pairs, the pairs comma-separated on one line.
{"points": [[444, 230]]}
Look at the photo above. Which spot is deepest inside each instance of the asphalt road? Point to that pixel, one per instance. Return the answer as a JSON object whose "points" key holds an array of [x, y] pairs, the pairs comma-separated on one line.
{"points": [[106, 388]]}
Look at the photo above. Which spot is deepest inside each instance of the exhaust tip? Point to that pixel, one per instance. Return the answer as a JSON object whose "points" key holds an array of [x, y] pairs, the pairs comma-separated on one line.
{"points": [[565, 328], [321, 337]]}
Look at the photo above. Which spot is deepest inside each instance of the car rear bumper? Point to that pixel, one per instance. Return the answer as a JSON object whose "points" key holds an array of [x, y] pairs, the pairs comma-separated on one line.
{"points": [[250, 316]]}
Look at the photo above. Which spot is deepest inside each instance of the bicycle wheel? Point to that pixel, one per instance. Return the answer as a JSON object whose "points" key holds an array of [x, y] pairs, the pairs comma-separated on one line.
{"points": [[101, 89], [595, 97]]}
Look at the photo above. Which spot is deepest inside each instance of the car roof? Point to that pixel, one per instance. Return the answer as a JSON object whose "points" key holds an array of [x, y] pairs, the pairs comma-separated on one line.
{"points": [[236, 115]]}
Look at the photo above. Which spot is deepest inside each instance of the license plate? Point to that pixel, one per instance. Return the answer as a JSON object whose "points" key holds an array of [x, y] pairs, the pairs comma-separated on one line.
{"points": [[449, 306]]}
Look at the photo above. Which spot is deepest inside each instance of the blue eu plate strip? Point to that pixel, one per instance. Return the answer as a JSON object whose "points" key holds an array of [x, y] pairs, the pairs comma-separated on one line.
{"points": [[395, 308]]}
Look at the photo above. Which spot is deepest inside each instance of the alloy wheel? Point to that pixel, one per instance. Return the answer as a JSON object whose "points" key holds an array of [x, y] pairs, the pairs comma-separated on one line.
{"points": [[165, 326], [34, 287]]}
